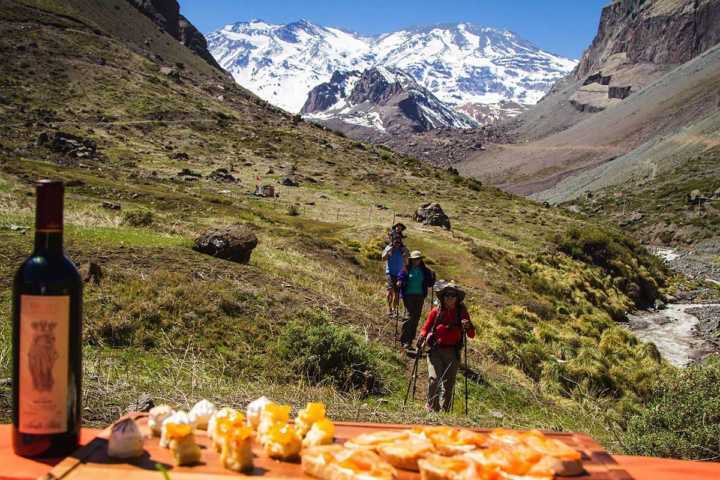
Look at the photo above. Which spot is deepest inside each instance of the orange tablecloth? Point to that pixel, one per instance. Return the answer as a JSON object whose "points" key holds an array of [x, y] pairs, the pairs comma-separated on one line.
{"points": [[641, 468]]}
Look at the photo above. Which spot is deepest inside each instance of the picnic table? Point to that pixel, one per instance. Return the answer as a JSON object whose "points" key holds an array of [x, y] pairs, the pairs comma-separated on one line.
{"points": [[13, 467]]}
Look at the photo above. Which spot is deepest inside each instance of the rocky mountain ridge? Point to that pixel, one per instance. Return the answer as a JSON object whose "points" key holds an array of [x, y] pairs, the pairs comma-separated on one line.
{"points": [[637, 43], [384, 99], [462, 64], [166, 14]]}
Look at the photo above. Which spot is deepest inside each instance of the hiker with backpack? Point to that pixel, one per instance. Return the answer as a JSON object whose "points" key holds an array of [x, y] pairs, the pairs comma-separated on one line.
{"points": [[444, 334], [396, 257], [415, 282]]}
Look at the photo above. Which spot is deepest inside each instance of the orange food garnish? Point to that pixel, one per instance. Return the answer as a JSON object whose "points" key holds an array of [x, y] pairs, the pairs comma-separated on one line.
{"points": [[224, 425], [240, 434], [178, 430]]}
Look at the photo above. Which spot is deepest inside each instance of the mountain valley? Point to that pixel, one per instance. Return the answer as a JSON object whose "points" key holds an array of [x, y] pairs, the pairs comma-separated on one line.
{"points": [[158, 146]]}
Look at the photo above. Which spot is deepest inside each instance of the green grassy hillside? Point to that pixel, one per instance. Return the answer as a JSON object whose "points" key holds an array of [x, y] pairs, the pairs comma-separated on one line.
{"points": [[544, 286]]}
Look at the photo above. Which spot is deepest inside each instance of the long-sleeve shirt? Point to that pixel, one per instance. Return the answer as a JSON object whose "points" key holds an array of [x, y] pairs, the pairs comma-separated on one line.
{"points": [[447, 330], [396, 259]]}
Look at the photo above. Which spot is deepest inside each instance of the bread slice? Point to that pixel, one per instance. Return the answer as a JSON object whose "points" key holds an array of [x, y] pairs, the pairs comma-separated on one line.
{"points": [[563, 459], [405, 455], [333, 462], [372, 440], [316, 461], [437, 467], [451, 441]]}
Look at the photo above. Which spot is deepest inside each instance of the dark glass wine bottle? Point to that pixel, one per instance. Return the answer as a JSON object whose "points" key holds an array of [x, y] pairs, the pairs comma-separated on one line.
{"points": [[47, 338]]}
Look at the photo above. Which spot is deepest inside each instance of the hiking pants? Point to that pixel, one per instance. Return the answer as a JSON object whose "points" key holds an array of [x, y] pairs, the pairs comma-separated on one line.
{"points": [[443, 364], [414, 306]]}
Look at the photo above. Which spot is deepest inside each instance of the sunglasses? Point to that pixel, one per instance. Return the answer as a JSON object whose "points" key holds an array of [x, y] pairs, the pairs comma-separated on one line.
{"points": [[451, 295]]}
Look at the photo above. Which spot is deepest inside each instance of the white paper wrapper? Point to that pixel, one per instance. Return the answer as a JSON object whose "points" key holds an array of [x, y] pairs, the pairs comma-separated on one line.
{"points": [[200, 414], [254, 409], [126, 440], [157, 416]]}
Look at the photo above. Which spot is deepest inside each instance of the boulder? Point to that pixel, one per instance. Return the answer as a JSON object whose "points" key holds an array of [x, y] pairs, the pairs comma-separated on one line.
{"points": [[222, 175], [290, 182], [432, 214], [234, 243]]}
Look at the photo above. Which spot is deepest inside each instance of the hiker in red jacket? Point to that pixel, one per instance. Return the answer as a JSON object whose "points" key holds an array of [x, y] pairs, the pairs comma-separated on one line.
{"points": [[444, 333]]}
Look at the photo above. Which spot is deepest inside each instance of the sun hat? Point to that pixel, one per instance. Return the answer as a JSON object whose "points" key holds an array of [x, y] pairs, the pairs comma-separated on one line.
{"points": [[442, 287], [416, 254]]}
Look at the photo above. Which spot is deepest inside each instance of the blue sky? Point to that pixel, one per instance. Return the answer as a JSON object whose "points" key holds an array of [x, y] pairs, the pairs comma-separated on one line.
{"points": [[565, 27]]}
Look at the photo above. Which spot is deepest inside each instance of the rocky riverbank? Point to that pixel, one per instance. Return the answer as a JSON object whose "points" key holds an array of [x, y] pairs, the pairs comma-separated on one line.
{"points": [[688, 329]]}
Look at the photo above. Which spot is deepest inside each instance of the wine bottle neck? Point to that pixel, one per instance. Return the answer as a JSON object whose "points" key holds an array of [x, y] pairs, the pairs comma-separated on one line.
{"points": [[49, 243]]}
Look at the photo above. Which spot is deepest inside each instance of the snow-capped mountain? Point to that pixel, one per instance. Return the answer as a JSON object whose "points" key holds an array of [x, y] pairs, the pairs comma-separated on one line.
{"points": [[385, 99], [461, 64]]}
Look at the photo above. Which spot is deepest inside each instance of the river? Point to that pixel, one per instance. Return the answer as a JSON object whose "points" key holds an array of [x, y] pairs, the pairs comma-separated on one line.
{"points": [[672, 330]]}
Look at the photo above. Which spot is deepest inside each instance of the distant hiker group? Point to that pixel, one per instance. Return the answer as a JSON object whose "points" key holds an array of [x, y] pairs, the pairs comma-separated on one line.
{"points": [[443, 332]]}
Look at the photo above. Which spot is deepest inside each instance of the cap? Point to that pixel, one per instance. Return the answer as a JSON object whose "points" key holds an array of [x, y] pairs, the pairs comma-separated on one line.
{"points": [[49, 205]]}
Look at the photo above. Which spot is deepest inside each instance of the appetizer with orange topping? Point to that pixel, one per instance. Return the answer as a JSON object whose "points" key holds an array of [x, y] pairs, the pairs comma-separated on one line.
{"points": [[283, 442], [237, 450], [182, 443], [333, 462]]}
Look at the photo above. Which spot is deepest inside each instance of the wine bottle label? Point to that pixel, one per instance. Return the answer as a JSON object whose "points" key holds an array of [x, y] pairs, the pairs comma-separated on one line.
{"points": [[44, 344]]}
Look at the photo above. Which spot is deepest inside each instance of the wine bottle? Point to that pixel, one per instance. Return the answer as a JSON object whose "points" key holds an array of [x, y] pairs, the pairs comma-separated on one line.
{"points": [[47, 334]]}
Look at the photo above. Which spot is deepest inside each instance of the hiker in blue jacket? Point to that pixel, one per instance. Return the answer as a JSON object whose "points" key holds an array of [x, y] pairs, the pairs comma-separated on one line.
{"points": [[396, 258], [415, 281]]}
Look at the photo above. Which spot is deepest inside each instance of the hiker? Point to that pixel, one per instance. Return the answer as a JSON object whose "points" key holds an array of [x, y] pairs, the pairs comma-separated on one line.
{"points": [[396, 257], [444, 333], [415, 281], [397, 231]]}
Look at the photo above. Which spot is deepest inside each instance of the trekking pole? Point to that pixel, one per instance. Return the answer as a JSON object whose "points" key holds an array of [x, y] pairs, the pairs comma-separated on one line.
{"points": [[417, 360], [411, 381], [466, 378], [397, 339]]}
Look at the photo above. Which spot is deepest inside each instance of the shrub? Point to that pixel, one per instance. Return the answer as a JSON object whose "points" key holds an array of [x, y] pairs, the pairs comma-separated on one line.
{"points": [[635, 271], [323, 352], [683, 420], [373, 249], [293, 211], [138, 218]]}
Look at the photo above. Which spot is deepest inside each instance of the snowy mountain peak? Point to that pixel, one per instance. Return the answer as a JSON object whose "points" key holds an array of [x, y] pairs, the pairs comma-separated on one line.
{"points": [[462, 64], [385, 99]]}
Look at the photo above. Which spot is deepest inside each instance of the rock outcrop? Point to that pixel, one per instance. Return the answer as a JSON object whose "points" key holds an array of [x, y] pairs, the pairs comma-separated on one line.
{"points": [[637, 43], [432, 214], [234, 243], [657, 32], [166, 14], [222, 175], [71, 146], [195, 41]]}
